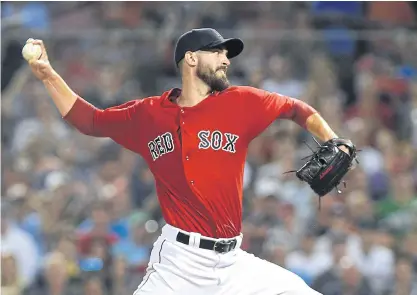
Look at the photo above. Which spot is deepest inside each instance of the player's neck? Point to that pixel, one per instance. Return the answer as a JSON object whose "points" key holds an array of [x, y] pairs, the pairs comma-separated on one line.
{"points": [[193, 92]]}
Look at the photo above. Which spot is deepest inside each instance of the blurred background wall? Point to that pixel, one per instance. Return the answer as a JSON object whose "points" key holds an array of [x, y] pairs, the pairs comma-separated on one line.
{"points": [[79, 215]]}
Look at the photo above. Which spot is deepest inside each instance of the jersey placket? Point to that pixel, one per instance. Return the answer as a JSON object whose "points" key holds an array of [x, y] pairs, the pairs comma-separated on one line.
{"points": [[185, 148]]}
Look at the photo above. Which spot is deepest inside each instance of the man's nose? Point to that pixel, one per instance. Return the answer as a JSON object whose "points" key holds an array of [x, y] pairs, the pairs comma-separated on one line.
{"points": [[226, 62]]}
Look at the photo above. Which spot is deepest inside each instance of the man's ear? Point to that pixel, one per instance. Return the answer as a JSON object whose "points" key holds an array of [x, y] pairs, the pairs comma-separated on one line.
{"points": [[190, 58]]}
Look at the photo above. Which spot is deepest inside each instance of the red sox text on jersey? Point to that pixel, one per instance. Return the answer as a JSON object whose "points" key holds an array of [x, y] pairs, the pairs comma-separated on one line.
{"points": [[216, 140]]}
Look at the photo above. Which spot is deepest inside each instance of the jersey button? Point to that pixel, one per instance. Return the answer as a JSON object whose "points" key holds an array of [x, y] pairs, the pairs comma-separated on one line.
{"points": [[182, 111], [183, 123], [192, 181], [187, 158]]}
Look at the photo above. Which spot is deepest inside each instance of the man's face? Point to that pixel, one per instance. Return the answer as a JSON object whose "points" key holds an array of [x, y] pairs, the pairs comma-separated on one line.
{"points": [[403, 270], [101, 219], [212, 68]]}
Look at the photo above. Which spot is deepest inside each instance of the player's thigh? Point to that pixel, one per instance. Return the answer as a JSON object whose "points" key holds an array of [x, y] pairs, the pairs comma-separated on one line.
{"points": [[251, 275], [157, 282], [153, 284], [173, 270]]}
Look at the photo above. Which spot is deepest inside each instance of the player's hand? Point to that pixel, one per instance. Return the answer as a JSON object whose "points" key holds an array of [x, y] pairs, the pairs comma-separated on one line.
{"points": [[345, 149], [41, 67]]}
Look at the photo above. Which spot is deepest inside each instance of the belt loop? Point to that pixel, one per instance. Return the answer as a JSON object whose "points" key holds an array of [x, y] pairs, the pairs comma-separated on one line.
{"points": [[195, 240], [239, 240]]}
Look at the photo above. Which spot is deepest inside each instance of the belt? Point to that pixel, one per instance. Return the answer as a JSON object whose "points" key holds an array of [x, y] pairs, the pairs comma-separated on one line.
{"points": [[219, 246]]}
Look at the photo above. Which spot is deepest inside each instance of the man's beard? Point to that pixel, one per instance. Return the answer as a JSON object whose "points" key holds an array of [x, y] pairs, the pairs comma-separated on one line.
{"points": [[209, 77]]}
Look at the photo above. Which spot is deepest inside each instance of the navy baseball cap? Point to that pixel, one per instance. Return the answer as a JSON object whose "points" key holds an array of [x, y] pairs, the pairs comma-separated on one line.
{"points": [[205, 39]]}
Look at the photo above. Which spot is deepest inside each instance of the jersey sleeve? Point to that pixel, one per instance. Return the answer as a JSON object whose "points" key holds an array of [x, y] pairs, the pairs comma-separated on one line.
{"points": [[119, 123], [263, 107]]}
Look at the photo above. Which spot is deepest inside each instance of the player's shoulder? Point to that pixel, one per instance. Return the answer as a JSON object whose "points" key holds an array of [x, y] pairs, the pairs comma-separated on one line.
{"points": [[239, 89], [238, 92], [160, 100], [245, 92], [149, 101]]}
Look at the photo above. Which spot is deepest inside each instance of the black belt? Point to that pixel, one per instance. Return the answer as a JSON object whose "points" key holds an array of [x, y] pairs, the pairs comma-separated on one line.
{"points": [[220, 246]]}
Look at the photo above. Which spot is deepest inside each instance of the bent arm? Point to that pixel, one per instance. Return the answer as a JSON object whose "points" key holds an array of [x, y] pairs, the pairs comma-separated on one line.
{"points": [[317, 126], [308, 118], [62, 95], [265, 107]]}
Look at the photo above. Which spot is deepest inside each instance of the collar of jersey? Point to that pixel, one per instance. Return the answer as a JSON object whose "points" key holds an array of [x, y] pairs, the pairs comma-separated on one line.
{"points": [[169, 99]]}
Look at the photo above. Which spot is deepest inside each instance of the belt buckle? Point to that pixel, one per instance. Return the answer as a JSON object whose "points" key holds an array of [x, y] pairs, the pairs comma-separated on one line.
{"points": [[223, 246]]}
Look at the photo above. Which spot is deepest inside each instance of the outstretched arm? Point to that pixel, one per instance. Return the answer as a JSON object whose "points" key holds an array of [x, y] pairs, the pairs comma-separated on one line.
{"points": [[307, 117], [311, 120], [113, 122]]}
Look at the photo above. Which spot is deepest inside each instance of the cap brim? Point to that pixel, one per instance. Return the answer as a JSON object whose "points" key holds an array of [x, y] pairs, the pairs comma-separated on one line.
{"points": [[234, 46]]}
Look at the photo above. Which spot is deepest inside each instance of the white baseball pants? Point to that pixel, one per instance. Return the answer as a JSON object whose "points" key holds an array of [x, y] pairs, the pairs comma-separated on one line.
{"points": [[176, 268]]}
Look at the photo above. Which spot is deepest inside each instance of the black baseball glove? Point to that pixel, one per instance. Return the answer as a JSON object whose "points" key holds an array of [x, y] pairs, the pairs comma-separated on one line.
{"points": [[327, 165]]}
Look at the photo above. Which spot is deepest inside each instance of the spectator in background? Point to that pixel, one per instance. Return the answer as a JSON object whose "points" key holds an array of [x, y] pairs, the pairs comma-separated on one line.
{"points": [[97, 259], [337, 224], [57, 281], [100, 223], [124, 282], [291, 229], [399, 209], [134, 250], [342, 275], [26, 216], [20, 245], [11, 284], [281, 80], [306, 262], [373, 260], [358, 205], [353, 282], [93, 285], [142, 183], [405, 281], [409, 247], [45, 126], [263, 218]]}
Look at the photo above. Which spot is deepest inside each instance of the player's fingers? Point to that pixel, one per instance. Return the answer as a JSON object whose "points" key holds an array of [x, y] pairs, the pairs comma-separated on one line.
{"points": [[34, 63], [42, 45], [39, 42], [38, 63]]}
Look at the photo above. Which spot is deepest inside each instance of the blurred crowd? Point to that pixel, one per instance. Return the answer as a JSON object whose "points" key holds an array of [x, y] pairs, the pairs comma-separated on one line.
{"points": [[79, 215]]}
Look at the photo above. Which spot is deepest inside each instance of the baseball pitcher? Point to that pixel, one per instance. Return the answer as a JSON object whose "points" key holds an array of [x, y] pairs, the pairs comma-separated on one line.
{"points": [[195, 141]]}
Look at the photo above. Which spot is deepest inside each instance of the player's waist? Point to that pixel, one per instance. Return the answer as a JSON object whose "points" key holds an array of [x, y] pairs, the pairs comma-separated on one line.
{"points": [[197, 240]]}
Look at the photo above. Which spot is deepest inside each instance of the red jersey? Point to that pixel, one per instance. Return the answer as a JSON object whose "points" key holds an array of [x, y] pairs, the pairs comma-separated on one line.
{"points": [[196, 154]]}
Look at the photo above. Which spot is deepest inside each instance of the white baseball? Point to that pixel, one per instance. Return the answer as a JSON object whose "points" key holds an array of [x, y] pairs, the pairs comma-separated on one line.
{"points": [[31, 51]]}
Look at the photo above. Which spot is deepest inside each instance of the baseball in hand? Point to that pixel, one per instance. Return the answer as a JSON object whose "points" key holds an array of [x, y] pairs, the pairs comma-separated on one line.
{"points": [[31, 51]]}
